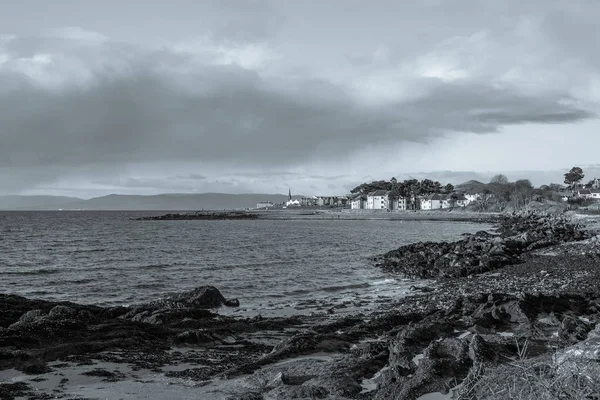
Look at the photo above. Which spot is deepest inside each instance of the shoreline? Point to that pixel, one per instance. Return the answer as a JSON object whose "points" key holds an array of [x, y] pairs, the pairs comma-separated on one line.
{"points": [[345, 214], [422, 343]]}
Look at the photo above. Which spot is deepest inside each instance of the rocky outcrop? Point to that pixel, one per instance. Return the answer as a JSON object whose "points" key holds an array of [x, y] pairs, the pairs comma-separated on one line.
{"points": [[194, 304], [201, 215], [33, 332], [516, 235]]}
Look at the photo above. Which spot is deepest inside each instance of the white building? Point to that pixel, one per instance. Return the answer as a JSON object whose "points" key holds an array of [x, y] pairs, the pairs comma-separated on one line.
{"points": [[463, 201], [264, 204], [399, 203], [434, 201], [378, 200], [292, 203], [358, 202], [438, 201], [472, 196]]}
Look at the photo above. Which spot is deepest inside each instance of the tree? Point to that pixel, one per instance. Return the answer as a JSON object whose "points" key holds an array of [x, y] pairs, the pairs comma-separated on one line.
{"points": [[369, 187], [427, 186], [449, 188], [413, 190], [523, 191], [499, 179], [573, 177]]}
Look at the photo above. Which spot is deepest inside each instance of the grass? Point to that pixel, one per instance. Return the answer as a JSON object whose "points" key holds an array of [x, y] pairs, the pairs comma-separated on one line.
{"points": [[559, 375]]}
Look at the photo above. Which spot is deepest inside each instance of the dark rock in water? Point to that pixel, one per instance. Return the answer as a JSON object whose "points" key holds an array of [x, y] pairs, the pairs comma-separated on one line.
{"points": [[232, 303], [200, 297], [178, 307], [202, 215]]}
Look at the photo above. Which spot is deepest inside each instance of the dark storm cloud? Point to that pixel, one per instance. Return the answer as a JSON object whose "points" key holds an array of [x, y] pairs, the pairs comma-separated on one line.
{"points": [[227, 113]]}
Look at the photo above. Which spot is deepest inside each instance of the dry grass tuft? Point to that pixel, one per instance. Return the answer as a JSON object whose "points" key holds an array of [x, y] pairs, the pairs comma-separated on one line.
{"points": [[568, 376]]}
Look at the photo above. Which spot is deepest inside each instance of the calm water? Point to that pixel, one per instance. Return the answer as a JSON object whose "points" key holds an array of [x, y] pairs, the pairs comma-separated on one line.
{"points": [[106, 258]]}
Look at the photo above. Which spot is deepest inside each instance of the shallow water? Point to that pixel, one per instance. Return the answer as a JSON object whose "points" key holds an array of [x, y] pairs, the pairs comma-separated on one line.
{"points": [[293, 265]]}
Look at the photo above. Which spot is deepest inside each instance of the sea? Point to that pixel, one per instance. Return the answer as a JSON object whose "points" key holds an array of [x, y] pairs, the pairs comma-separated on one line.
{"points": [[274, 267]]}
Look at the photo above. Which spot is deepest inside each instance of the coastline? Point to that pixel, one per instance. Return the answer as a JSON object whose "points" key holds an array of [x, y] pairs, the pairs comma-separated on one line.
{"points": [[446, 215], [328, 214], [441, 334]]}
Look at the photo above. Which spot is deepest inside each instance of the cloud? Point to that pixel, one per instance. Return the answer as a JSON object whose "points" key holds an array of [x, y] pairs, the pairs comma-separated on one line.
{"points": [[255, 91], [144, 108]]}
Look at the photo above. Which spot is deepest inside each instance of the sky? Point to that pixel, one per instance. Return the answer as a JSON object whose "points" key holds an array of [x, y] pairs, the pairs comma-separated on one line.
{"points": [[148, 96]]}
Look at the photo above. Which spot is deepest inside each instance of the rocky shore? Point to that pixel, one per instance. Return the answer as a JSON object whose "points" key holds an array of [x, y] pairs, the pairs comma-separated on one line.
{"points": [[523, 302], [517, 234]]}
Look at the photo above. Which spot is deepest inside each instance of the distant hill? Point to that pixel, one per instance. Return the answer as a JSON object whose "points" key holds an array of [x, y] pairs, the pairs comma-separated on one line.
{"points": [[171, 201], [35, 202]]}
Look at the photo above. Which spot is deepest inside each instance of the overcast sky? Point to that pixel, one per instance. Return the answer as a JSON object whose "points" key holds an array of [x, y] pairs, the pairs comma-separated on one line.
{"points": [[148, 96]]}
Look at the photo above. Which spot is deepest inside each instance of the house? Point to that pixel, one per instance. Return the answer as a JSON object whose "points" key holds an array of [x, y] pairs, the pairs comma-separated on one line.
{"points": [[378, 200], [325, 201], [439, 201], [434, 201], [596, 183], [595, 194], [471, 196], [341, 201], [292, 203], [309, 201], [398, 204], [264, 204], [584, 193], [462, 201], [358, 202]]}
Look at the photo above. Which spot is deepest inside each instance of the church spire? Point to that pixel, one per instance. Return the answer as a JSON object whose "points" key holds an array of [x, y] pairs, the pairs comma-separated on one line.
{"points": [[290, 194]]}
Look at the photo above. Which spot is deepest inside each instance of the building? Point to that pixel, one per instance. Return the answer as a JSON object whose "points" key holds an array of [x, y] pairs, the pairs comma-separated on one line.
{"points": [[309, 201], [434, 201], [472, 196], [398, 203], [378, 200], [439, 201], [358, 202], [264, 204], [584, 193], [462, 201], [292, 202]]}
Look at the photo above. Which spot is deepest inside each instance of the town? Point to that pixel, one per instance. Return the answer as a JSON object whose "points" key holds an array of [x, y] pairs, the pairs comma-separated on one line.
{"points": [[498, 195]]}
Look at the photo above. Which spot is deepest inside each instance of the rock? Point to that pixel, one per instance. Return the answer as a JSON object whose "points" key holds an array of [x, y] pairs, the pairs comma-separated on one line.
{"points": [[582, 358], [200, 297], [443, 363], [483, 251], [62, 312], [232, 303], [299, 392]]}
